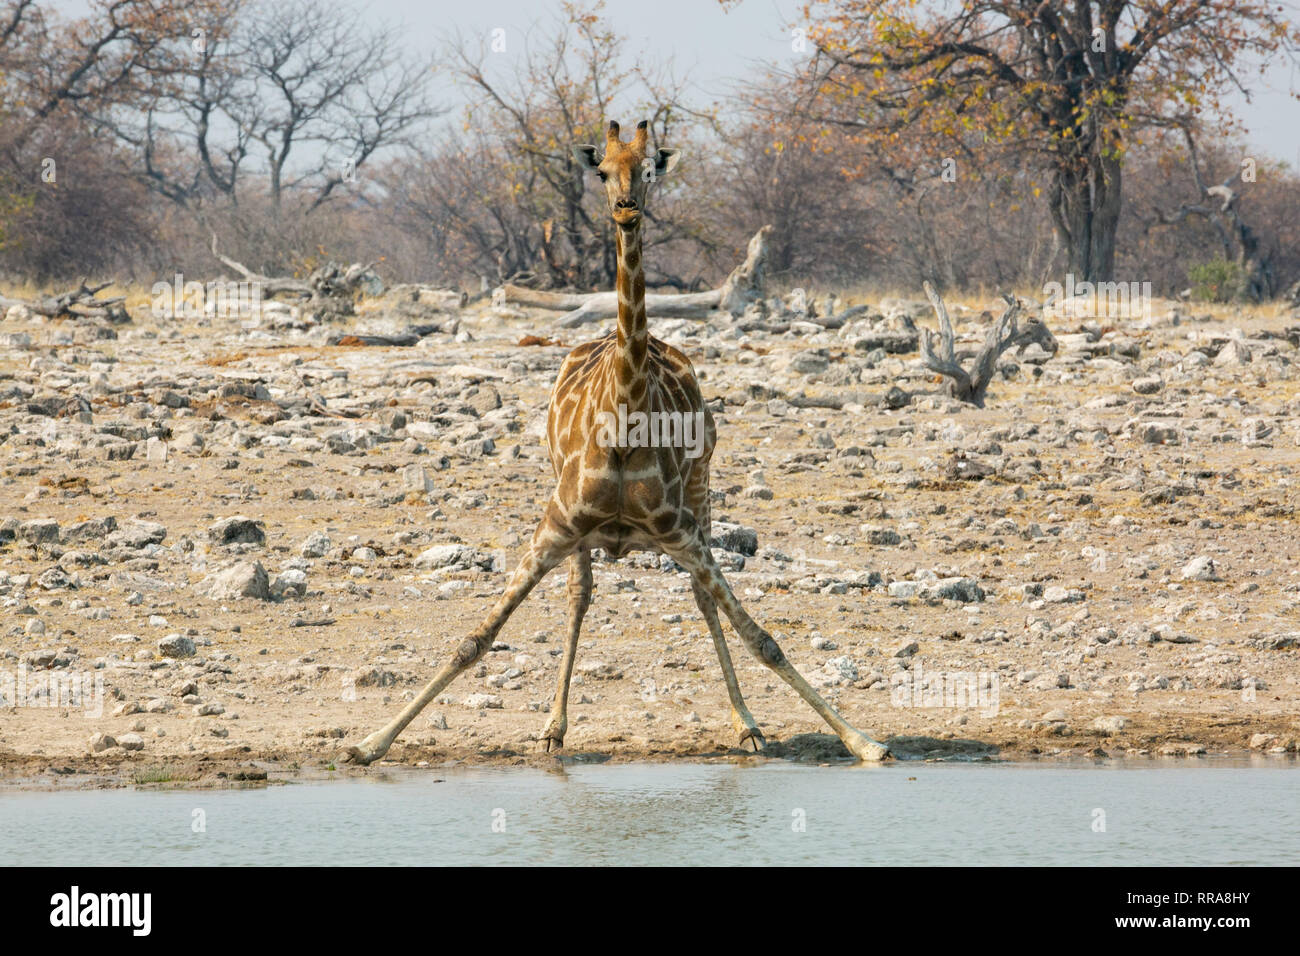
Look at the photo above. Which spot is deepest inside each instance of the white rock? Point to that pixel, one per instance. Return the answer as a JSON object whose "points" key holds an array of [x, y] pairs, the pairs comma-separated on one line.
{"points": [[1203, 568], [415, 478], [1110, 725], [904, 589], [317, 545], [176, 645], [444, 556], [244, 580]]}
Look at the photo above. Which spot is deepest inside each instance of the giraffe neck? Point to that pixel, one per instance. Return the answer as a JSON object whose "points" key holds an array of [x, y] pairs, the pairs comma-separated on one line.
{"points": [[633, 336]]}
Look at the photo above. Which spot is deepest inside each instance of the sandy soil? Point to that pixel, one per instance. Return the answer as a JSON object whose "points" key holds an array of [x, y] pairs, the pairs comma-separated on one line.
{"points": [[1119, 563]]}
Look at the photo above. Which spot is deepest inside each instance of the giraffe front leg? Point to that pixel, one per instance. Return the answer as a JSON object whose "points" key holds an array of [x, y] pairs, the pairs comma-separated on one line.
{"points": [[548, 548], [580, 582], [741, 719]]}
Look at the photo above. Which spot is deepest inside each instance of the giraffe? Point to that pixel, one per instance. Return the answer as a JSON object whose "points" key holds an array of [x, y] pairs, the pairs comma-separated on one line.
{"points": [[642, 495]]}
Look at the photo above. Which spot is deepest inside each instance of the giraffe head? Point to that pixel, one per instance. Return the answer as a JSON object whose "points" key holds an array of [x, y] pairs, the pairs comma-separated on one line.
{"points": [[626, 171]]}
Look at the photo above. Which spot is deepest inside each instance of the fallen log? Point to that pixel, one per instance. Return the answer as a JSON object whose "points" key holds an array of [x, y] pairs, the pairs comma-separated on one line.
{"points": [[413, 297], [893, 341], [604, 305], [412, 335], [340, 338], [81, 302], [331, 289], [746, 284], [270, 285], [584, 307]]}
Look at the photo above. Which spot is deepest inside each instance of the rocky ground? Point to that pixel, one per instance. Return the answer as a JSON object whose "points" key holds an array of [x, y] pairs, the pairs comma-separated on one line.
{"points": [[263, 544]]}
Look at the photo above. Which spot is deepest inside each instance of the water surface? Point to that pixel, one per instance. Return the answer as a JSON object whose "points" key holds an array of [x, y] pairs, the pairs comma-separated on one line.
{"points": [[1165, 813]]}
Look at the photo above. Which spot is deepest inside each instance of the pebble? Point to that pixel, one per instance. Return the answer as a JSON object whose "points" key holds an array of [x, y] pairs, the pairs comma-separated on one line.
{"points": [[1202, 568], [316, 545], [1110, 725], [246, 579], [600, 670], [177, 645]]}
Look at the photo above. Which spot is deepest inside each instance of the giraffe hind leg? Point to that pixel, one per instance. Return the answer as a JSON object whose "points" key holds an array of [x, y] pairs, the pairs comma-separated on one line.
{"points": [[694, 555], [741, 719]]}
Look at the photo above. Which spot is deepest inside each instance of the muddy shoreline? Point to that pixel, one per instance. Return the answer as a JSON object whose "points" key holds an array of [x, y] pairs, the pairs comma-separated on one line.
{"points": [[249, 769]]}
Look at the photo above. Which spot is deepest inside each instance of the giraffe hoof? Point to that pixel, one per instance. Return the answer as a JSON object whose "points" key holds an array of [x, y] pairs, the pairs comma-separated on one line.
{"points": [[552, 735], [362, 754], [355, 755], [754, 737], [866, 749]]}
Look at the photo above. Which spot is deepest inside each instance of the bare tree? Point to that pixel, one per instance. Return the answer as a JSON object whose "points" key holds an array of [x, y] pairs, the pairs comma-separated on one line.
{"points": [[1220, 206], [472, 219], [969, 385], [561, 92], [1062, 83], [65, 209], [54, 64], [329, 87], [303, 91]]}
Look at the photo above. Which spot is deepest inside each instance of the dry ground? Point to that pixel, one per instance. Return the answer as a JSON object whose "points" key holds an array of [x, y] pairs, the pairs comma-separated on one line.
{"points": [[1083, 539]]}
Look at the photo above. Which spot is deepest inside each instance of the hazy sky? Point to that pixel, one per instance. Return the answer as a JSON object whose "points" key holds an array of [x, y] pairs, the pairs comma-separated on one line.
{"points": [[717, 47]]}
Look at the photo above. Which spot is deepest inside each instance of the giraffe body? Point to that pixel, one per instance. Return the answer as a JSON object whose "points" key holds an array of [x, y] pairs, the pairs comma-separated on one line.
{"points": [[625, 499], [626, 492]]}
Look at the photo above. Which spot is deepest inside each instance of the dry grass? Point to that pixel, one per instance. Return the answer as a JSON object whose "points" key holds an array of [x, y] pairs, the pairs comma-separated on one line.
{"points": [[140, 297]]}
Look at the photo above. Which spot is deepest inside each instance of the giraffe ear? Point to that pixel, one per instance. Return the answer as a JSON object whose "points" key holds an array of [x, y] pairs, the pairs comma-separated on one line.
{"points": [[666, 160], [586, 156]]}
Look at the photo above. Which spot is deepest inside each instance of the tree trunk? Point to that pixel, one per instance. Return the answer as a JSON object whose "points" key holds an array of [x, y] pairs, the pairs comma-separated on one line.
{"points": [[1085, 214], [1256, 267]]}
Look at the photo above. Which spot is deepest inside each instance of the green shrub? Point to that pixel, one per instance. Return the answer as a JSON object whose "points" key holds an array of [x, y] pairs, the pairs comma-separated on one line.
{"points": [[1218, 280]]}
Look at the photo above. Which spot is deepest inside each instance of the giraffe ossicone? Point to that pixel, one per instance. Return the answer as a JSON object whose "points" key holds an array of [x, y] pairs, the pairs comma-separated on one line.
{"points": [[635, 492]]}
